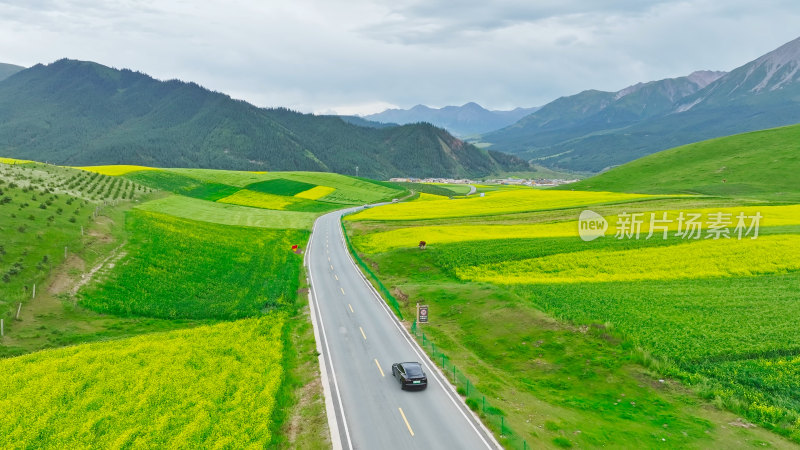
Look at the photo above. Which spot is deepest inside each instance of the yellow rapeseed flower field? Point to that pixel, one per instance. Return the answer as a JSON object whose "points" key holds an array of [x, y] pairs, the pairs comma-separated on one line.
{"points": [[316, 192], [500, 202], [445, 234], [206, 387], [115, 170], [701, 259], [13, 161], [425, 197], [772, 216], [258, 199]]}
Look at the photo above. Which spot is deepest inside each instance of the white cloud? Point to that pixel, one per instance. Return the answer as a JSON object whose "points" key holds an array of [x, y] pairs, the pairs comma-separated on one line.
{"points": [[353, 56]]}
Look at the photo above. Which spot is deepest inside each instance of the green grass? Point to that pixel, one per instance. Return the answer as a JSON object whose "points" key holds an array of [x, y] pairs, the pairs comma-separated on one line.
{"points": [[688, 321], [761, 164], [42, 211], [224, 214], [280, 186], [456, 189], [181, 184], [556, 358], [552, 379], [430, 189], [183, 269], [349, 190], [176, 275]]}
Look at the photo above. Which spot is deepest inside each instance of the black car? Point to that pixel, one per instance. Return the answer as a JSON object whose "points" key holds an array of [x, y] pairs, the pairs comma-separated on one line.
{"points": [[410, 375]]}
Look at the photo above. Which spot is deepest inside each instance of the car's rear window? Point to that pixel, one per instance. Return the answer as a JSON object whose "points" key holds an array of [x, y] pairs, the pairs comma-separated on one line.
{"points": [[413, 370]]}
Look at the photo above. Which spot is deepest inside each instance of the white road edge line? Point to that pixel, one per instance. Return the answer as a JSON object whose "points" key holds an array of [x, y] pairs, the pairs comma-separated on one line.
{"points": [[449, 390], [319, 331]]}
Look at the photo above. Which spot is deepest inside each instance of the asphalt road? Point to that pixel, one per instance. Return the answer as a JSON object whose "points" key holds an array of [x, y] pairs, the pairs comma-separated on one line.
{"points": [[359, 339]]}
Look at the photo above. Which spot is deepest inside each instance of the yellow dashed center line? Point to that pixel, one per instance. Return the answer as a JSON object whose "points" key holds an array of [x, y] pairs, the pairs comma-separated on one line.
{"points": [[336, 276], [351, 307], [342, 289], [379, 368], [362, 333], [331, 266], [406, 421]]}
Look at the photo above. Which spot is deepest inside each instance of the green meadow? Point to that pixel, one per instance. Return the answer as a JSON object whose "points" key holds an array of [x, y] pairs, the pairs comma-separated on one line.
{"points": [[155, 266], [678, 361]]}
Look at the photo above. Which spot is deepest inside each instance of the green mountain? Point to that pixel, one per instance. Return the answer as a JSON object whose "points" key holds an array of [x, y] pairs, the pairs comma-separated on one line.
{"points": [[596, 130], [82, 113], [6, 70], [760, 164]]}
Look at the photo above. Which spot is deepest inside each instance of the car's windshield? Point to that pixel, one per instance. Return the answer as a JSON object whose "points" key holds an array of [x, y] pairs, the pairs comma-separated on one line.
{"points": [[413, 370]]}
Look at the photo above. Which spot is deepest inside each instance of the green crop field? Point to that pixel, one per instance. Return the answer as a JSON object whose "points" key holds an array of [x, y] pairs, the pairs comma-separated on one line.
{"points": [[184, 269], [182, 286], [616, 342], [349, 190], [434, 189], [280, 186], [225, 214], [181, 184]]}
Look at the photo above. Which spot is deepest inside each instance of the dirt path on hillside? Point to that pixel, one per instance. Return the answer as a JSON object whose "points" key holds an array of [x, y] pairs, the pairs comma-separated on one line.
{"points": [[106, 264]]}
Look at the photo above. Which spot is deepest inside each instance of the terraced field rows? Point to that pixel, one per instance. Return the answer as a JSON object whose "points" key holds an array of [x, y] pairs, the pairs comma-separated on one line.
{"points": [[720, 314]]}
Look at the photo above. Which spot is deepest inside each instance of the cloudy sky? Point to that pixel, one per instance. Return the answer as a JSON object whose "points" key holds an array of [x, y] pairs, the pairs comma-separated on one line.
{"points": [[359, 56]]}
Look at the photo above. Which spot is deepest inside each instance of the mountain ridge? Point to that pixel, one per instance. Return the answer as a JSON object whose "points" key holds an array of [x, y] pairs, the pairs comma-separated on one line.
{"points": [[78, 113], [6, 70], [594, 132]]}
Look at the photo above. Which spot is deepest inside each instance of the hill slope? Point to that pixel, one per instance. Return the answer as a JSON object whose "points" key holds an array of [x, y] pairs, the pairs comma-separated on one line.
{"points": [[83, 113], [760, 164], [6, 70], [593, 132], [465, 120]]}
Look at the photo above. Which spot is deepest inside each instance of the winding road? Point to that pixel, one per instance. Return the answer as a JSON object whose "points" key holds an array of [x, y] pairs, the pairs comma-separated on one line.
{"points": [[358, 338]]}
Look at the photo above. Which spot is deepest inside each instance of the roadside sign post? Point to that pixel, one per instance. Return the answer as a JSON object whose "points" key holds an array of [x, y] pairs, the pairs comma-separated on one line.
{"points": [[422, 313]]}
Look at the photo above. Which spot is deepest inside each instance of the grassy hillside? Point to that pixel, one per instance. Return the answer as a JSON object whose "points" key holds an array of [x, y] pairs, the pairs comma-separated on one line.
{"points": [[6, 70], [80, 113], [618, 342], [761, 165], [156, 277]]}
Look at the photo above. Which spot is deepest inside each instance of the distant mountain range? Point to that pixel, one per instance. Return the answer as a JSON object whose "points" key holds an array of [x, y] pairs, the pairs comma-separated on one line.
{"points": [[6, 70], [466, 120], [594, 130], [80, 113]]}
